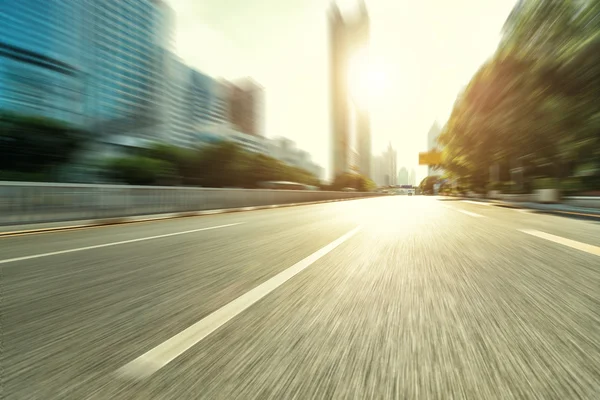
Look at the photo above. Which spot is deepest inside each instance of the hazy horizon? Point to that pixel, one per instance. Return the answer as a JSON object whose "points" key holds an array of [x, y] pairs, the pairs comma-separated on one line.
{"points": [[424, 52]]}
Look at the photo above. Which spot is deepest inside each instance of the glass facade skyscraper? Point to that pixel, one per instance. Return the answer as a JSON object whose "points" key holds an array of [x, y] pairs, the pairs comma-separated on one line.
{"points": [[196, 102], [41, 59], [106, 66], [129, 40]]}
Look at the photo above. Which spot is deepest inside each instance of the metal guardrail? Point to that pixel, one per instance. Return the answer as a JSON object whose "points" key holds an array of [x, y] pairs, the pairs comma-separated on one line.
{"points": [[26, 202]]}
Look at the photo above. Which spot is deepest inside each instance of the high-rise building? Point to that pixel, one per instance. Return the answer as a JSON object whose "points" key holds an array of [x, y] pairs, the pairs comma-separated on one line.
{"points": [[412, 177], [197, 102], [246, 106], [129, 44], [346, 38], [377, 170], [42, 63], [385, 167], [286, 151], [391, 157], [403, 176]]}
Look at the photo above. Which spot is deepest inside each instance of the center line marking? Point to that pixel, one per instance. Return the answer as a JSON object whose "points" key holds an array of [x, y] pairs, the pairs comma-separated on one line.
{"points": [[472, 214], [156, 358], [588, 248], [98, 246]]}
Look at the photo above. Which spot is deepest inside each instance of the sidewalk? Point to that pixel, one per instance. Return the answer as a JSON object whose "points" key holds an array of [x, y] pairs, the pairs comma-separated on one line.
{"points": [[548, 208]]}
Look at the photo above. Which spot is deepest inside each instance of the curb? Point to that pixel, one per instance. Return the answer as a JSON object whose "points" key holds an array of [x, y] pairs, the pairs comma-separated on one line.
{"points": [[184, 214], [545, 211], [500, 203]]}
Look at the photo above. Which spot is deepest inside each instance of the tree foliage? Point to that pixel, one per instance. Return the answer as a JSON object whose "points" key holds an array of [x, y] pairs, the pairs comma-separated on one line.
{"points": [[219, 165], [354, 181], [35, 146], [426, 185], [536, 103]]}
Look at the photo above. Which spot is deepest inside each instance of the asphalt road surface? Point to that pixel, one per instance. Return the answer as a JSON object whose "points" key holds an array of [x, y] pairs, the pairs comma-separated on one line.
{"points": [[385, 298]]}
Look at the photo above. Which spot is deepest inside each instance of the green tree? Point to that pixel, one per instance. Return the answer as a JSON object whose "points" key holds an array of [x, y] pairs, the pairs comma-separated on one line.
{"points": [[223, 164], [354, 181], [535, 103], [139, 170], [36, 146], [426, 185]]}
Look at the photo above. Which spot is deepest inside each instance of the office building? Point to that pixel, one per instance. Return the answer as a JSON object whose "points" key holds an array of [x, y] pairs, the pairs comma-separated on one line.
{"points": [[384, 166], [403, 178], [412, 177], [391, 168], [42, 60], [286, 151], [346, 37], [377, 170], [197, 104], [214, 133], [246, 106], [129, 44]]}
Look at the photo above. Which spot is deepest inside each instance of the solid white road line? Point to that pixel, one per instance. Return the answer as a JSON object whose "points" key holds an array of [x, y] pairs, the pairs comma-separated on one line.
{"points": [[479, 203], [98, 246], [472, 214], [161, 355], [588, 248], [522, 211]]}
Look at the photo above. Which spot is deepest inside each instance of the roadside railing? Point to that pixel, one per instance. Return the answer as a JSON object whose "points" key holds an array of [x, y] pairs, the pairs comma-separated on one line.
{"points": [[27, 202]]}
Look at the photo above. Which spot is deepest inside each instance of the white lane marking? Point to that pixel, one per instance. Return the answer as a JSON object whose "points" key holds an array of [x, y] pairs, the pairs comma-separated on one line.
{"points": [[479, 203], [588, 248], [472, 214], [150, 362], [522, 211], [219, 211], [98, 246]]}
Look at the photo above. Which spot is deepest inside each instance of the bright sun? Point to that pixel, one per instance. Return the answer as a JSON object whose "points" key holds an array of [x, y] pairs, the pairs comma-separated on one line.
{"points": [[366, 79]]}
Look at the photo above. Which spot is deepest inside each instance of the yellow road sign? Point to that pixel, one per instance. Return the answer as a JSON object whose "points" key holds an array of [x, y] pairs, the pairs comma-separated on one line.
{"points": [[430, 158]]}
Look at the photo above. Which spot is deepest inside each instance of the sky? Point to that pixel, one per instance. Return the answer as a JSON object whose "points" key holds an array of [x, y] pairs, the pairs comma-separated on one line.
{"points": [[422, 52]]}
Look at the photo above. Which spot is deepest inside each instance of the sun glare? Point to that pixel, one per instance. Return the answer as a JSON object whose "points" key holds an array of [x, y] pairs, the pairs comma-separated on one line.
{"points": [[366, 79]]}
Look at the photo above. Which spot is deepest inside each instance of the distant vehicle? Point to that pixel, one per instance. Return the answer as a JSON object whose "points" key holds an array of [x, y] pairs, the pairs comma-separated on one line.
{"points": [[348, 189], [407, 190]]}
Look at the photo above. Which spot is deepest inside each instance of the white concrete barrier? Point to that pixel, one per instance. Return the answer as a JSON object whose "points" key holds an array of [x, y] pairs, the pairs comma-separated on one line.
{"points": [[525, 197], [582, 201], [27, 202], [494, 194], [546, 195]]}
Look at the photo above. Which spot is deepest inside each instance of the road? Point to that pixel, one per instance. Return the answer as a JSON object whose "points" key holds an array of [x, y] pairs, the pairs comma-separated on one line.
{"points": [[385, 298]]}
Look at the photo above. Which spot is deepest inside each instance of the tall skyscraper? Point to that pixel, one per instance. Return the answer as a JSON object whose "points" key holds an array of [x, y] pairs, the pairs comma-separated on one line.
{"points": [[345, 38], [42, 63], [390, 158], [246, 106], [412, 177], [403, 177], [129, 44], [197, 103]]}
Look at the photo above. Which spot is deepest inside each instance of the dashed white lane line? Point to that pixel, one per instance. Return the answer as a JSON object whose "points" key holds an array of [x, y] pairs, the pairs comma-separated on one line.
{"points": [[98, 246], [164, 353], [479, 203], [472, 214], [588, 248]]}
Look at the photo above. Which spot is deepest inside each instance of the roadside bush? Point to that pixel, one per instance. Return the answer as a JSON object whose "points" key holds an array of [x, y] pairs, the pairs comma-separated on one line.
{"points": [[137, 170], [545, 183]]}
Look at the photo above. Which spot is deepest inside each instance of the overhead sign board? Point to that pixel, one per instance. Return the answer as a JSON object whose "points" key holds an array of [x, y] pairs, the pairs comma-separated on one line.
{"points": [[430, 158]]}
